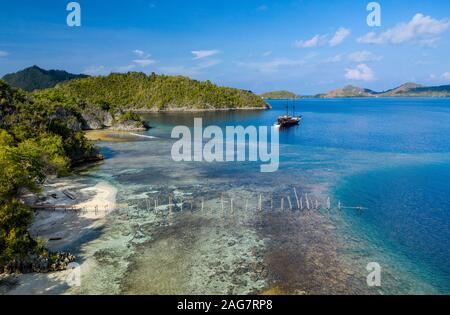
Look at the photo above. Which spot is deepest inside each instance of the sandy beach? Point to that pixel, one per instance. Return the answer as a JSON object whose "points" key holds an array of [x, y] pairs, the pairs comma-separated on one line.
{"points": [[108, 135], [63, 231]]}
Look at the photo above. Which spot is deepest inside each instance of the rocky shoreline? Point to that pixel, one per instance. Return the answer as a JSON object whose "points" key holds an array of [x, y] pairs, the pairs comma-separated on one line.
{"points": [[197, 110], [39, 263]]}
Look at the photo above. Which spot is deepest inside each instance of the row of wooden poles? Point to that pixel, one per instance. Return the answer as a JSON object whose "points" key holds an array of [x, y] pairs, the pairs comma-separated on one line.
{"points": [[298, 203]]}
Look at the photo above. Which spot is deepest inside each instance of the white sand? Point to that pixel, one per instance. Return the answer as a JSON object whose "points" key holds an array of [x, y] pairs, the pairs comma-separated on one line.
{"points": [[66, 229], [104, 200]]}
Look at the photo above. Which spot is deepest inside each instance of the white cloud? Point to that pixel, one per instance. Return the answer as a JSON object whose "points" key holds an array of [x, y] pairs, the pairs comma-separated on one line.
{"points": [[337, 58], [199, 54], [273, 65], [126, 68], [422, 29], [318, 40], [96, 70], [363, 56], [192, 71], [439, 78], [138, 52], [267, 53], [208, 64], [361, 73], [144, 62], [3, 53], [322, 40], [339, 37], [357, 57]]}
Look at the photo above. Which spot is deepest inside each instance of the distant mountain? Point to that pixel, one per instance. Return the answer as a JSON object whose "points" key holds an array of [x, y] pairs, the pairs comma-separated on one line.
{"points": [[404, 90], [432, 91], [279, 95], [348, 91], [35, 78]]}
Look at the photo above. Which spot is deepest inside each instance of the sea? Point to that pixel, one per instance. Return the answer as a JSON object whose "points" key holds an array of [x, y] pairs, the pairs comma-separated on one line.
{"points": [[361, 181]]}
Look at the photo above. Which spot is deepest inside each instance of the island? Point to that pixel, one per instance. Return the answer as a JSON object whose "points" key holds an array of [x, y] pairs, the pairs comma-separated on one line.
{"points": [[279, 95], [42, 134], [404, 90]]}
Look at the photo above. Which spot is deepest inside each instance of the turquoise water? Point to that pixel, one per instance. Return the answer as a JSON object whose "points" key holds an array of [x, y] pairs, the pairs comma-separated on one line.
{"points": [[391, 156]]}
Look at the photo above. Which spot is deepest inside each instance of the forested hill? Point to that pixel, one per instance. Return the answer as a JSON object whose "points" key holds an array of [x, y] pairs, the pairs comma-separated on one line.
{"points": [[279, 95], [35, 78], [38, 137], [139, 91]]}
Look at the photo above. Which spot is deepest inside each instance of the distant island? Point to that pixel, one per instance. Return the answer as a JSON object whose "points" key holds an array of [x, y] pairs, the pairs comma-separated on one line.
{"points": [[404, 90], [350, 91], [35, 78], [276, 95]]}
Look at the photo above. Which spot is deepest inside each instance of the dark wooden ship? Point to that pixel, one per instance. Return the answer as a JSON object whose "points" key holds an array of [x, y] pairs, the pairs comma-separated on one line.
{"points": [[287, 120]]}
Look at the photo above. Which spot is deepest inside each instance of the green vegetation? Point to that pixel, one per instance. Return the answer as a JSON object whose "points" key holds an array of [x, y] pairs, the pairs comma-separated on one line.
{"points": [[41, 132], [128, 116], [280, 95], [36, 139], [137, 91], [35, 78]]}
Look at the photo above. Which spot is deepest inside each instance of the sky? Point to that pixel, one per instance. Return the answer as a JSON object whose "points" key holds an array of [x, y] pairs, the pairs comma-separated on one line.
{"points": [[305, 46]]}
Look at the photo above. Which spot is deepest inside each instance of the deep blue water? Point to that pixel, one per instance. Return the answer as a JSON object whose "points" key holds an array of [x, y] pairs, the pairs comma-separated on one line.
{"points": [[391, 156]]}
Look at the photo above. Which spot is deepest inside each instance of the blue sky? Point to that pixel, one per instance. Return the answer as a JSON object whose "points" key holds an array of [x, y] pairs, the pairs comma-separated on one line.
{"points": [[305, 46]]}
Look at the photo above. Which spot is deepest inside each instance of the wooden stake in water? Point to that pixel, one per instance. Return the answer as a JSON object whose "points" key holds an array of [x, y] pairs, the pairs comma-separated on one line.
{"points": [[290, 203], [170, 204], [301, 202], [296, 198], [223, 206], [203, 202], [307, 201], [282, 204], [328, 203], [260, 202]]}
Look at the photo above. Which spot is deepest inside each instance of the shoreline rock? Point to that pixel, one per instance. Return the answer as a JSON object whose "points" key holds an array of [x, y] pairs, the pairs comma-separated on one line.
{"points": [[34, 263], [130, 125]]}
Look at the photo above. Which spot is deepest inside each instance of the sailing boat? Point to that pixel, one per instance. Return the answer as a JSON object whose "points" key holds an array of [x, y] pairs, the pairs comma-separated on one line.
{"points": [[287, 120]]}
